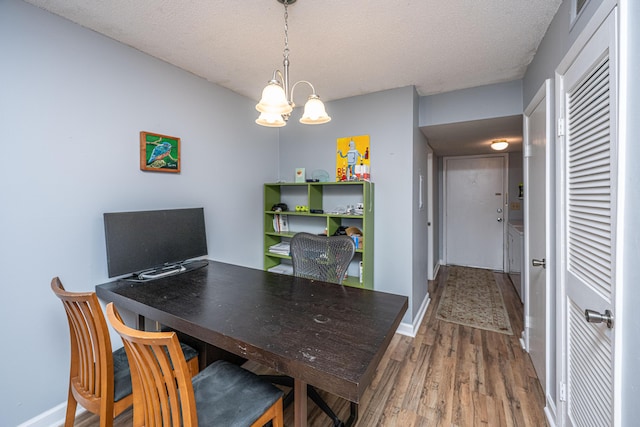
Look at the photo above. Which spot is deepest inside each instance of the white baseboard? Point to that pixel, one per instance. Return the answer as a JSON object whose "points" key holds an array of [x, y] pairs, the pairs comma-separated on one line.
{"points": [[550, 414], [412, 329], [523, 341], [54, 417], [435, 271]]}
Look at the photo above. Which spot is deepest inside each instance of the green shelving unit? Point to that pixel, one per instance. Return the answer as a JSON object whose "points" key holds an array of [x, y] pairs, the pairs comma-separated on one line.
{"points": [[334, 199]]}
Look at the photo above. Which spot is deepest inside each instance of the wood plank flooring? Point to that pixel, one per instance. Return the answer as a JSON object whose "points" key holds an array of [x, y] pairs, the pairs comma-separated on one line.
{"points": [[448, 375]]}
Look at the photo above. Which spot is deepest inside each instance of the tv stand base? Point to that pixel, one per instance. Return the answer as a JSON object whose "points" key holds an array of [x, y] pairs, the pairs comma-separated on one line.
{"points": [[168, 270]]}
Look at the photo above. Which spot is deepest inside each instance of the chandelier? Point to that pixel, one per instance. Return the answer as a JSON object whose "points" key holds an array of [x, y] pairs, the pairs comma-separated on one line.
{"points": [[276, 104]]}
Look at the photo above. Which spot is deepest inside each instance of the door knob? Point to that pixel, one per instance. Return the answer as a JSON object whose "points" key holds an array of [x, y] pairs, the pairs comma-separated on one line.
{"points": [[539, 263], [593, 316], [499, 219]]}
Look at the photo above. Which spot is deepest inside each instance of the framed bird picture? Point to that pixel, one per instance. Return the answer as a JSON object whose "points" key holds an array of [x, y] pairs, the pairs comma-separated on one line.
{"points": [[159, 153]]}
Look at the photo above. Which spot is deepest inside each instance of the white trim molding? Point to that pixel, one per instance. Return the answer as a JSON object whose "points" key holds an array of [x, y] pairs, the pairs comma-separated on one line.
{"points": [[411, 330]]}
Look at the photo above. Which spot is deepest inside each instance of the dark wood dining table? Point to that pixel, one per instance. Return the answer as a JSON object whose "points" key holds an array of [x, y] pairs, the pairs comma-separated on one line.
{"points": [[326, 335]]}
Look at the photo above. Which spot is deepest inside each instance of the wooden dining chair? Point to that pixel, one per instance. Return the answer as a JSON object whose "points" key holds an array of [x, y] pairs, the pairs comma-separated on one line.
{"points": [[222, 394], [99, 379]]}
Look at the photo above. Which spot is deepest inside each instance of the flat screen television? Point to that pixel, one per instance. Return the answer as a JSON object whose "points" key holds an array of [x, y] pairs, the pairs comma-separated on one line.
{"points": [[153, 242]]}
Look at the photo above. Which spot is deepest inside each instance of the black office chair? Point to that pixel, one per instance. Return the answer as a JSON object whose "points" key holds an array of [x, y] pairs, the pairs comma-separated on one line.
{"points": [[320, 258]]}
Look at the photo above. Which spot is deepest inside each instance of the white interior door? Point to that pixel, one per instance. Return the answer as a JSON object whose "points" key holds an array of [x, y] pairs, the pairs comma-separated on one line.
{"points": [[475, 211], [587, 102], [536, 125]]}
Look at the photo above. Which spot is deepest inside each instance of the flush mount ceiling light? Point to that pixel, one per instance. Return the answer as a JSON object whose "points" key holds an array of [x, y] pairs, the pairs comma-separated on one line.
{"points": [[276, 104], [499, 144]]}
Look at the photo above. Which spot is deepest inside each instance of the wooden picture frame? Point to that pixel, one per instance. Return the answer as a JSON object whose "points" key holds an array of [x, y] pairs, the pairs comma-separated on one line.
{"points": [[159, 153]]}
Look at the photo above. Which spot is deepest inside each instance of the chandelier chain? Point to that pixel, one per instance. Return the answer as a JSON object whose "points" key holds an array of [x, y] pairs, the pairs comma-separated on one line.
{"points": [[286, 30]]}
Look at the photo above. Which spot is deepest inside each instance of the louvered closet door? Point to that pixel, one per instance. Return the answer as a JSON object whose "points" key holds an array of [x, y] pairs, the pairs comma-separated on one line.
{"points": [[588, 90]]}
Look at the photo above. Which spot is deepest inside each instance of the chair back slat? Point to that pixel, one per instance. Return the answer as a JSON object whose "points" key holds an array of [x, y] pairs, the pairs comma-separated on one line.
{"points": [[88, 346]]}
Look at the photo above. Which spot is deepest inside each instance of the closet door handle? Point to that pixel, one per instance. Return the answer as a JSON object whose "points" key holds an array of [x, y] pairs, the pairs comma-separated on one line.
{"points": [[593, 316]]}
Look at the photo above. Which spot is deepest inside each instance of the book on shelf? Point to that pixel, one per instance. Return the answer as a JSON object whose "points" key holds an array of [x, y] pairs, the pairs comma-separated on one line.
{"points": [[280, 223], [281, 248], [284, 223], [282, 269]]}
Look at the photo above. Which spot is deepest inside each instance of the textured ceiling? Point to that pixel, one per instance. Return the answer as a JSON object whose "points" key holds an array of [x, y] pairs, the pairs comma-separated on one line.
{"points": [[344, 48]]}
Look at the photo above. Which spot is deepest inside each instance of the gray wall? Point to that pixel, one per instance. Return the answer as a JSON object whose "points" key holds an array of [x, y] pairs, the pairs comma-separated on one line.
{"points": [[72, 106], [419, 229], [483, 102], [556, 42], [388, 118]]}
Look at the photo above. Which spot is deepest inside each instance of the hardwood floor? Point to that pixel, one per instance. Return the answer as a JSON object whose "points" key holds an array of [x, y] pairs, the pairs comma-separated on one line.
{"points": [[448, 375]]}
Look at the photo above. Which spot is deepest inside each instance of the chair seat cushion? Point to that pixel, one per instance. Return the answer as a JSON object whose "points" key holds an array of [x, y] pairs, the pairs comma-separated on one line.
{"points": [[122, 374], [228, 395]]}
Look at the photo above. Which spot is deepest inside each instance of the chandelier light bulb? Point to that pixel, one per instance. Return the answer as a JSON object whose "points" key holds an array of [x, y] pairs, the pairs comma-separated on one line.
{"points": [[271, 120], [274, 100], [314, 112]]}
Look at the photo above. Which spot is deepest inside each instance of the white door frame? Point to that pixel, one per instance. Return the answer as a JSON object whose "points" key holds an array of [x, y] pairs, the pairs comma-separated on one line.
{"points": [[544, 94]]}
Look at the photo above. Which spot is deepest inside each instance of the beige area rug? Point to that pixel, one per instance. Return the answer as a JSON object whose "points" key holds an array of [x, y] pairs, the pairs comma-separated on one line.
{"points": [[471, 297]]}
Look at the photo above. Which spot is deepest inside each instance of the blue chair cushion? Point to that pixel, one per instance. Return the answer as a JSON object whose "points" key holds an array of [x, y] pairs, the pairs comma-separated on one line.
{"points": [[122, 374], [228, 395]]}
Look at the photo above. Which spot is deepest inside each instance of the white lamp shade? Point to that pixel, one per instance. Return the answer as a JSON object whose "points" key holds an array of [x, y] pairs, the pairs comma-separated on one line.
{"points": [[271, 120], [274, 100], [499, 145], [314, 112]]}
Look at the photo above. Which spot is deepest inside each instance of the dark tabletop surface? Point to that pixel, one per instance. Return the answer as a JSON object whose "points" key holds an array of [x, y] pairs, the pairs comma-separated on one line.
{"points": [[327, 335]]}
